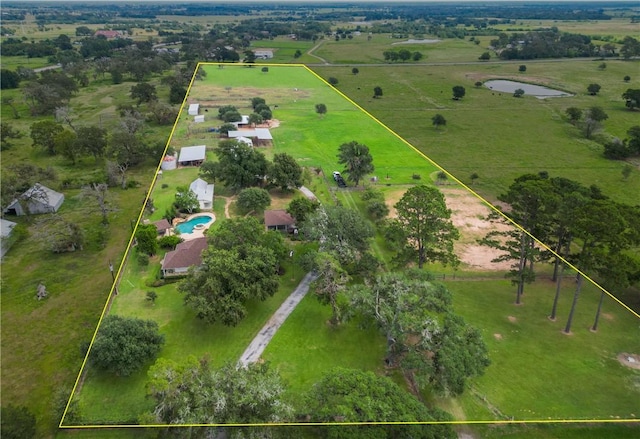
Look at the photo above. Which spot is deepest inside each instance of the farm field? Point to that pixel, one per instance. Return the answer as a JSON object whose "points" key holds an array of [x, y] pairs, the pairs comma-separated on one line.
{"points": [[488, 133], [493, 134], [596, 385]]}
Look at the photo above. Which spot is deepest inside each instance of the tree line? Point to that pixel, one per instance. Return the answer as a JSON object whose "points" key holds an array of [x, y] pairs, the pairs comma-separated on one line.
{"points": [[578, 224]]}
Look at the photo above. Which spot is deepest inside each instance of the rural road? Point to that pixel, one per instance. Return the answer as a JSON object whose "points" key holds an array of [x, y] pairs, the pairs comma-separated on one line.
{"points": [[260, 341]]}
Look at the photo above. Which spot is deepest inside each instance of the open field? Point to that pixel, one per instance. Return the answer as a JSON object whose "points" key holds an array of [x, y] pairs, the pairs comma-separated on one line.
{"points": [[576, 376], [48, 350], [493, 134], [42, 340]]}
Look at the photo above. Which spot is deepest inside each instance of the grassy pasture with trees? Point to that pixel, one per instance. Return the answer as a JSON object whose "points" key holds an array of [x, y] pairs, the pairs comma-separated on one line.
{"points": [[482, 128], [300, 349], [485, 129]]}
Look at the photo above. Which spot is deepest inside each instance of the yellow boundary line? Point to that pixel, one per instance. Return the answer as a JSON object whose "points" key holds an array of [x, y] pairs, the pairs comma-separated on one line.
{"points": [[126, 254]]}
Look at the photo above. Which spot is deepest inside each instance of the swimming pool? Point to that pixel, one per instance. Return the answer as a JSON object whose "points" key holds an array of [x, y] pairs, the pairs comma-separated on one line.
{"points": [[187, 226]]}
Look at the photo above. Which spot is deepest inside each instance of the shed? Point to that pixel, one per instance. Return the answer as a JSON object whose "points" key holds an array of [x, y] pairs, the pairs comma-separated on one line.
{"points": [[194, 109], [263, 53], [204, 193], [6, 228], [37, 199], [279, 219], [162, 226], [192, 155], [198, 119]]}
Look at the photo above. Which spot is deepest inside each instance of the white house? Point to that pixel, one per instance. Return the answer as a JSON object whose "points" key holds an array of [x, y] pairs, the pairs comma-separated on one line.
{"points": [[243, 122], [192, 155], [204, 193], [37, 199], [194, 109], [6, 228]]}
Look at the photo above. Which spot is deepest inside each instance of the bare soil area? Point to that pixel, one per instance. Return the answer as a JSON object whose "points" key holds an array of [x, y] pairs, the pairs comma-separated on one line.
{"points": [[468, 214], [629, 360]]}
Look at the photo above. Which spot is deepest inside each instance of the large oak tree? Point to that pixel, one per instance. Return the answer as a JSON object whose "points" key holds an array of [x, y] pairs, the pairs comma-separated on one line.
{"points": [[424, 226]]}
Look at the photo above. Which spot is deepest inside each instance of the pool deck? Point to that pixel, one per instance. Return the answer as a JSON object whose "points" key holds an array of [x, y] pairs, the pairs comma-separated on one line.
{"points": [[198, 233]]}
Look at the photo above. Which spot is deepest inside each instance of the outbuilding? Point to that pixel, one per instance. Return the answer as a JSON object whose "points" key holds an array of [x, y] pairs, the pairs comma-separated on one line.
{"points": [[192, 155], [37, 199], [194, 109]]}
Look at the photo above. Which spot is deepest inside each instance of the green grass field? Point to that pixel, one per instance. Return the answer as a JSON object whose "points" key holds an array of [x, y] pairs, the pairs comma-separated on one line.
{"points": [[41, 344], [494, 134], [537, 372], [41, 340]]}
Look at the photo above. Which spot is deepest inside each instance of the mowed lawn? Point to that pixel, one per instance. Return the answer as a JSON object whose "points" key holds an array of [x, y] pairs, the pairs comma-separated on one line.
{"points": [[292, 93], [537, 371]]}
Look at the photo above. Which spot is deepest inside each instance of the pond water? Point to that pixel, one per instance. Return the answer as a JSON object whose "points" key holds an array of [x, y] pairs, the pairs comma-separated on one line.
{"points": [[529, 89], [187, 226], [416, 42]]}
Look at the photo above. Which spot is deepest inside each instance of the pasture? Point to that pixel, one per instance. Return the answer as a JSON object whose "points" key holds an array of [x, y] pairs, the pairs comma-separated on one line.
{"points": [[530, 356]]}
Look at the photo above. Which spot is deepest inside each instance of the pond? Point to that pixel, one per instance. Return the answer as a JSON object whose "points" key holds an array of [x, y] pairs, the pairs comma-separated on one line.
{"points": [[529, 89], [412, 41]]}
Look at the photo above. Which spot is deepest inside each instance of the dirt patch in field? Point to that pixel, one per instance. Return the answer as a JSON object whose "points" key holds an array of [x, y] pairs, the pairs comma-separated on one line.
{"points": [[629, 360], [214, 97], [468, 214], [497, 336], [512, 319]]}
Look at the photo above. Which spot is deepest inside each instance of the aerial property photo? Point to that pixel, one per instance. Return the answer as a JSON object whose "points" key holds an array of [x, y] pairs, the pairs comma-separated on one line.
{"points": [[357, 221]]}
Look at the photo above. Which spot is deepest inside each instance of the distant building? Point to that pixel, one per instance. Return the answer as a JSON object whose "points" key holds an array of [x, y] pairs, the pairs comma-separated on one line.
{"points": [[263, 53], [108, 33]]}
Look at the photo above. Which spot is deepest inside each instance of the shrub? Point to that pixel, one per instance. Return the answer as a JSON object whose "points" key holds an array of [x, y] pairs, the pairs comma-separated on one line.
{"points": [[169, 242], [416, 176], [143, 259]]}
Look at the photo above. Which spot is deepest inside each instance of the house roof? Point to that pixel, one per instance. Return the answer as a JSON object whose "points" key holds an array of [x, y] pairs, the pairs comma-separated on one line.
{"points": [[6, 227], [42, 194], [162, 225], [202, 189], [278, 217], [191, 153], [186, 254], [259, 133]]}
